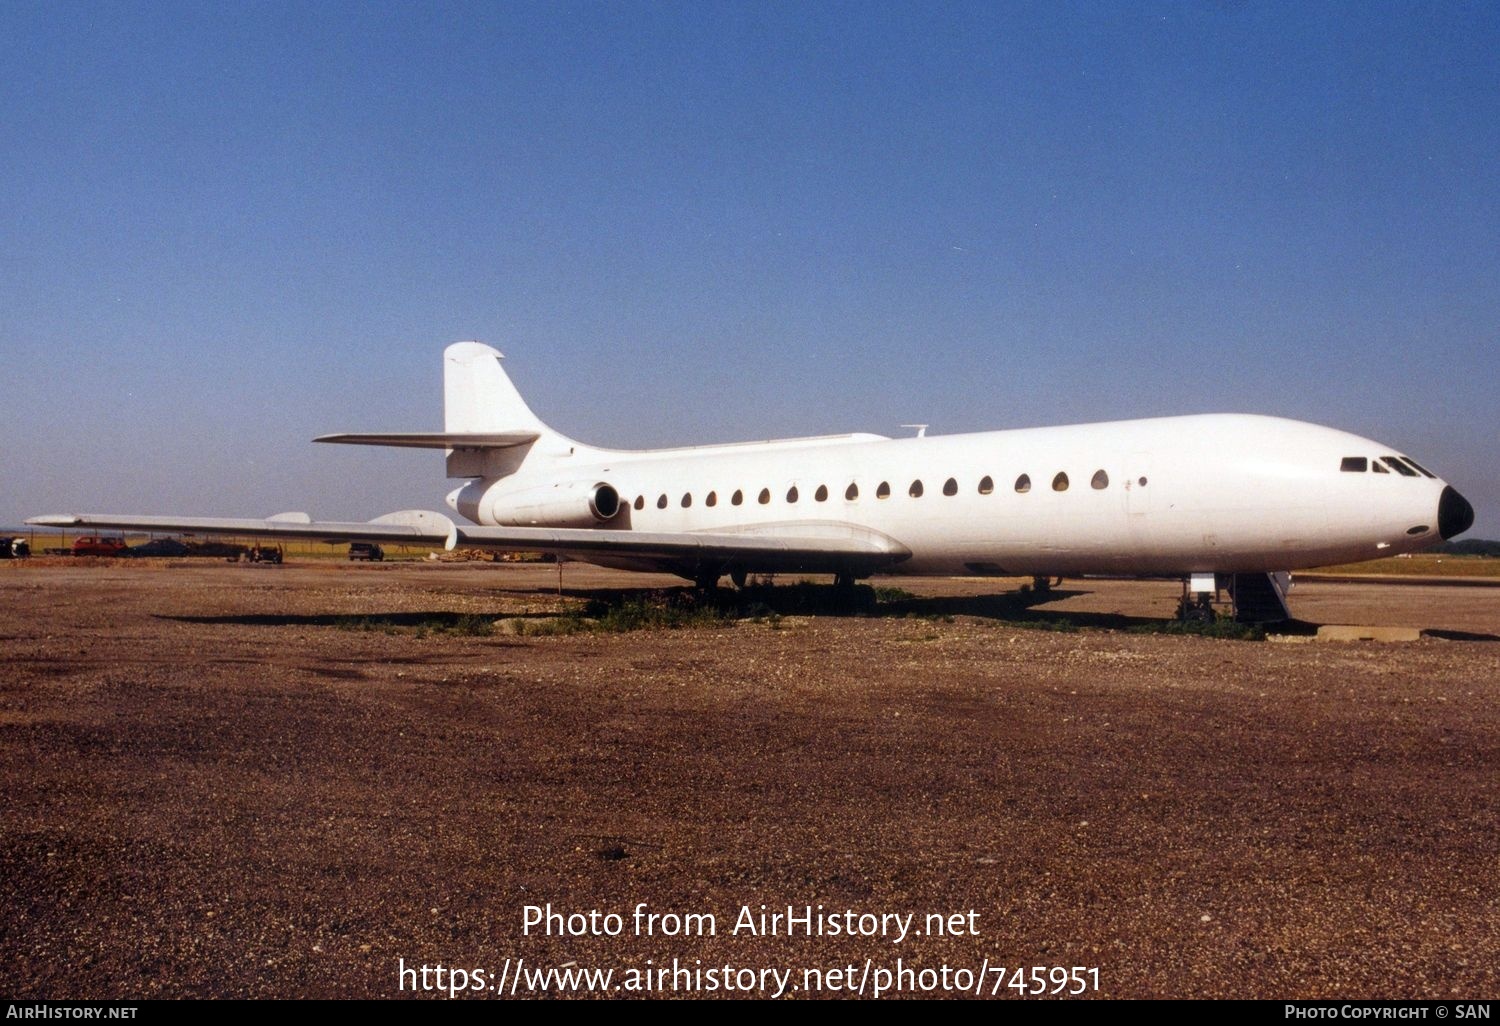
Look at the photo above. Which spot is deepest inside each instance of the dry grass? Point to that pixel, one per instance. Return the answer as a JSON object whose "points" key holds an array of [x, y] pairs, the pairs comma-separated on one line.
{"points": [[1419, 566]]}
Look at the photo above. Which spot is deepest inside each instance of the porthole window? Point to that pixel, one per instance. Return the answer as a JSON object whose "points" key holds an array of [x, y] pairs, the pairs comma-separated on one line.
{"points": [[711, 499], [687, 499], [1100, 481], [1023, 483], [738, 498], [640, 502], [884, 491], [764, 497], [821, 494], [851, 493], [915, 491], [791, 494], [986, 485], [1060, 482], [950, 487], [661, 503]]}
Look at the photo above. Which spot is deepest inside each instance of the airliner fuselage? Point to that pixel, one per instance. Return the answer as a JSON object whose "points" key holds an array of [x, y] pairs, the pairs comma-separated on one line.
{"points": [[1221, 493]]}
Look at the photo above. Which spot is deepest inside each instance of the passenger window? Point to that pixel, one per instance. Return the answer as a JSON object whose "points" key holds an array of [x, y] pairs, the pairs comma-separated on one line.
{"points": [[1023, 483], [821, 494], [1353, 464], [950, 487], [640, 502], [851, 493], [764, 496], [1060, 482], [711, 499], [986, 485], [915, 491], [738, 498], [1100, 481], [791, 494], [1398, 466], [1413, 463], [687, 499], [884, 491], [661, 503]]}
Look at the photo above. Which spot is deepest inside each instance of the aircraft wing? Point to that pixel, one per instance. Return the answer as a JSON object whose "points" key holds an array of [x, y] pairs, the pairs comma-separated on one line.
{"points": [[812, 547], [415, 527]]}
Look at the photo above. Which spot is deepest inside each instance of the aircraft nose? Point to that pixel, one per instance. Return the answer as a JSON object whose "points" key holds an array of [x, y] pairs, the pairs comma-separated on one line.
{"points": [[1455, 515]]}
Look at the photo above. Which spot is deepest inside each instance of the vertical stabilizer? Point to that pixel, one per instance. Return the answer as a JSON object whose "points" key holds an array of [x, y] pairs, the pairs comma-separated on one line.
{"points": [[478, 398]]}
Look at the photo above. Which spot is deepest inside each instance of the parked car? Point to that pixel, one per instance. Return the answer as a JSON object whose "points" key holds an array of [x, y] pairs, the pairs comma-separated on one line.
{"points": [[265, 554], [97, 545], [366, 550]]}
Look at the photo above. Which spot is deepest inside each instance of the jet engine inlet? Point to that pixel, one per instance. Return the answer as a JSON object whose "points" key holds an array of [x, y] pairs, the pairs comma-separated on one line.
{"points": [[605, 502]]}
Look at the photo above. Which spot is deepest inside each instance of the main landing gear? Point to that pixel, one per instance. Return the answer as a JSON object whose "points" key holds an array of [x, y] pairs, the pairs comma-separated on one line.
{"points": [[1199, 592], [1044, 585]]}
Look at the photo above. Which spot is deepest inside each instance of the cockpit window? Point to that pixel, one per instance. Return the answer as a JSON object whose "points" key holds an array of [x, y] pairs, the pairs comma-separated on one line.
{"points": [[1377, 468], [1413, 463], [1354, 465], [1398, 466]]}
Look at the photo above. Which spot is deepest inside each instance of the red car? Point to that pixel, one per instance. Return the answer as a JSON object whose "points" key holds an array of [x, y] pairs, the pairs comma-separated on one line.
{"points": [[94, 545]]}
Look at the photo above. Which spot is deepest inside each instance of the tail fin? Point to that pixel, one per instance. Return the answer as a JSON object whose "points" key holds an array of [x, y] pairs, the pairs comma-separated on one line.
{"points": [[478, 398]]}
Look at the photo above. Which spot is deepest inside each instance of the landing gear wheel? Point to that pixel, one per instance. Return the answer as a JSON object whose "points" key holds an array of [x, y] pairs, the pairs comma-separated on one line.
{"points": [[707, 581], [1200, 610]]}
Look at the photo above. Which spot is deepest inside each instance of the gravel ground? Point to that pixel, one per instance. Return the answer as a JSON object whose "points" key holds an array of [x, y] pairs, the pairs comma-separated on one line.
{"points": [[282, 781]]}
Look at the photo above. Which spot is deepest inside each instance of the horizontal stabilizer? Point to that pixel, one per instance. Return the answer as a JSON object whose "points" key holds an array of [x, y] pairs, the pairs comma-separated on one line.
{"points": [[437, 439]]}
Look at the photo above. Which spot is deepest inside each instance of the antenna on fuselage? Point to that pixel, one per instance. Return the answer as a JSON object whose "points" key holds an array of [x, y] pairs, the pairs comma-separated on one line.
{"points": [[921, 429]]}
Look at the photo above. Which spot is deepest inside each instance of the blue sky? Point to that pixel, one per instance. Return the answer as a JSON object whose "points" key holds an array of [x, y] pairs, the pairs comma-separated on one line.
{"points": [[230, 227]]}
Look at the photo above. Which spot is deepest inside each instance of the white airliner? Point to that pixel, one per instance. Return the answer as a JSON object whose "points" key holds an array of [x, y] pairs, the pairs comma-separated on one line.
{"points": [[1219, 500]]}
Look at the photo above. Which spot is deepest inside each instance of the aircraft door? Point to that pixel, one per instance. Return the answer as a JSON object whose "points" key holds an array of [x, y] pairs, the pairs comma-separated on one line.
{"points": [[1140, 496]]}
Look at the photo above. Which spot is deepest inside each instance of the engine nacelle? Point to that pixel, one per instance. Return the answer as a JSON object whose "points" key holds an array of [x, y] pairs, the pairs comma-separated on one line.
{"points": [[566, 504]]}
